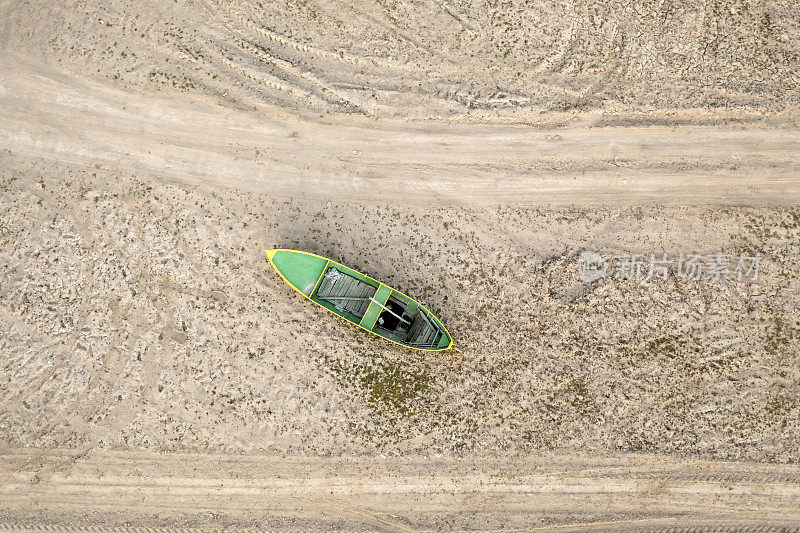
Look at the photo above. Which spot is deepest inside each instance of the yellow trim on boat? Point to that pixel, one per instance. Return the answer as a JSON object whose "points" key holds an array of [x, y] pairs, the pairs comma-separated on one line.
{"points": [[271, 253], [371, 300], [319, 278], [370, 303], [390, 295]]}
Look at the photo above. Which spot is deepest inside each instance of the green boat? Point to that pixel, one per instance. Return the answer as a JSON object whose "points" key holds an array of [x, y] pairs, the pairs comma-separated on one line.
{"points": [[359, 299]]}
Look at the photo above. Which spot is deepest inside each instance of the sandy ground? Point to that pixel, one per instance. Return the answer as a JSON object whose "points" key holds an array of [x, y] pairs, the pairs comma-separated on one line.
{"points": [[262, 492], [482, 59], [156, 373]]}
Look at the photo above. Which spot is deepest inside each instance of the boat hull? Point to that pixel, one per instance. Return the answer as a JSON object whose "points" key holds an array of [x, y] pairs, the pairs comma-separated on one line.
{"points": [[361, 300]]}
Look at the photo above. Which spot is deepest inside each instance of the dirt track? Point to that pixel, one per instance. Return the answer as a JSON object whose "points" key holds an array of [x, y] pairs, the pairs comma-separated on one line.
{"points": [[547, 493], [196, 142]]}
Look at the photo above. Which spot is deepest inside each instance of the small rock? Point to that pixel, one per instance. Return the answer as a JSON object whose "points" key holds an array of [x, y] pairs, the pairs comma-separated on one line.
{"points": [[219, 296]]}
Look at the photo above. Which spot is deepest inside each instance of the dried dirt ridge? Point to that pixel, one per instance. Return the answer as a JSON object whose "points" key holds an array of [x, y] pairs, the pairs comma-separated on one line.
{"points": [[156, 374]]}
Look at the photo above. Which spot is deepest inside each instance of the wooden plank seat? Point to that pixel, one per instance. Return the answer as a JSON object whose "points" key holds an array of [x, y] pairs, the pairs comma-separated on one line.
{"points": [[346, 292]]}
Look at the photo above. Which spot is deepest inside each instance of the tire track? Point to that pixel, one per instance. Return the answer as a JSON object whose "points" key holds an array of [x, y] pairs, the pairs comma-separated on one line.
{"points": [[357, 493], [642, 526]]}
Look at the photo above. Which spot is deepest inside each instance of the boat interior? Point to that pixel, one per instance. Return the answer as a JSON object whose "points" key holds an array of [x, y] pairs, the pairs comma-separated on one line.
{"points": [[345, 292], [394, 322], [401, 319], [408, 323]]}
